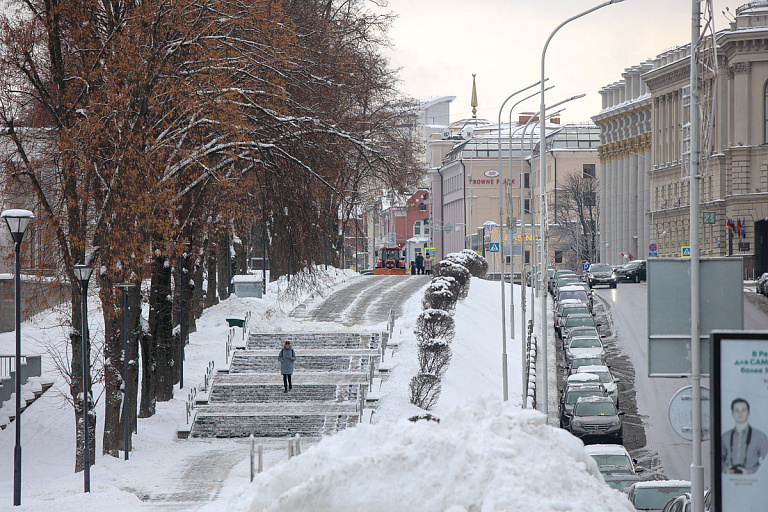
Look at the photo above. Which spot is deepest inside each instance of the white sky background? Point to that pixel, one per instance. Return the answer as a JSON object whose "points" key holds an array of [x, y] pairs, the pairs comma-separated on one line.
{"points": [[438, 44]]}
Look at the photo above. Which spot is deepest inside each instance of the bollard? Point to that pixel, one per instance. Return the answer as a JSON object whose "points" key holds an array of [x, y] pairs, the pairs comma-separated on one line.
{"points": [[261, 459], [251, 437], [298, 444], [290, 448]]}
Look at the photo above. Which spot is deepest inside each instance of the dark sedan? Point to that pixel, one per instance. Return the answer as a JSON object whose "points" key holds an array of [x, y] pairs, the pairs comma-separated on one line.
{"points": [[595, 419], [634, 271]]}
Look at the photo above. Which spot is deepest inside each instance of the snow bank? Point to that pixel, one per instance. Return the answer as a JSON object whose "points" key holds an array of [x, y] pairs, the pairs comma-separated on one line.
{"points": [[484, 455]]}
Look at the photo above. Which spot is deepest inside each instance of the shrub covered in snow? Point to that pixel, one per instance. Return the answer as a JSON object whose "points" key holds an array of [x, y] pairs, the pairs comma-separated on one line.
{"points": [[425, 390], [476, 264], [434, 324], [439, 294], [434, 357], [459, 273]]}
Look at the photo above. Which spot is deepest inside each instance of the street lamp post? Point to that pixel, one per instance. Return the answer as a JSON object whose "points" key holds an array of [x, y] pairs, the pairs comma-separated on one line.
{"points": [[505, 383], [17, 221], [83, 275], [126, 417], [182, 329], [542, 192]]}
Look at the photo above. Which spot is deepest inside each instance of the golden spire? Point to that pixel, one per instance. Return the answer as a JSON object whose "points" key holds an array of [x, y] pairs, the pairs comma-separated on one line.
{"points": [[474, 97]]}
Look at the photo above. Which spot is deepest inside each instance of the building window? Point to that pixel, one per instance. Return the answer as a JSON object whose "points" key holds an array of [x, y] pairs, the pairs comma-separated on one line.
{"points": [[527, 180], [417, 228], [422, 207], [425, 196], [558, 256], [527, 206], [527, 257], [588, 170]]}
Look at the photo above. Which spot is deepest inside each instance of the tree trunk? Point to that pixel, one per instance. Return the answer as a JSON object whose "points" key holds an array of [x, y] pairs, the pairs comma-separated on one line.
{"points": [[76, 386], [148, 375], [130, 393], [221, 259], [160, 326], [197, 296], [113, 368], [211, 299]]}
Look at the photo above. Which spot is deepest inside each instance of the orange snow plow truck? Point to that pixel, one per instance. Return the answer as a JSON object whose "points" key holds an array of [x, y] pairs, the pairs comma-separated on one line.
{"points": [[389, 262]]}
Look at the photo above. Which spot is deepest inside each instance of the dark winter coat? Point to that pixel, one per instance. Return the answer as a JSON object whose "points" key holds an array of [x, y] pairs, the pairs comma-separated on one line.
{"points": [[287, 357], [419, 261]]}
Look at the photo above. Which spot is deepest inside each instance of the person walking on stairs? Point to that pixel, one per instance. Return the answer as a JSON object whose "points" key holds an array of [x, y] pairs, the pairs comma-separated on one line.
{"points": [[287, 357]]}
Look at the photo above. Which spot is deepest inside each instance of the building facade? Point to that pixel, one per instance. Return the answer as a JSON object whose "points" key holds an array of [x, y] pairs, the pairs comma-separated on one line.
{"points": [[734, 164]]}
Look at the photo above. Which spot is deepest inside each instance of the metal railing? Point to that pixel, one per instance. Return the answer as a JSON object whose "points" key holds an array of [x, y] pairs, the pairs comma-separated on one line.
{"points": [[190, 404], [208, 378], [8, 364], [229, 345], [530, 368], [257, 451]]}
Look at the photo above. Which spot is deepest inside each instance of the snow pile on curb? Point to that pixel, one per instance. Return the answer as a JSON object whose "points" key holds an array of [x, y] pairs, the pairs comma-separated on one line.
{"points": [[486, 455]]}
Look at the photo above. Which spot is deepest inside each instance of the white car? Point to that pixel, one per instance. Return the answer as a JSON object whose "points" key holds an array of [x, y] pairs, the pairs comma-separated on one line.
{"points": [[653, 495], [584, 346], [607, 378], [612, 455]]}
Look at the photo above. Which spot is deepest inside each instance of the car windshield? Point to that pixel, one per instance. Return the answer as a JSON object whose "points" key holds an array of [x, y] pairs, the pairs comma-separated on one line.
{"points": [[586, 361], [568, 279], [613, 460], [579, 393], [579, 321], [620, 484], [575, 309], [595, 409], [631, 265], [600, 267], [604, 376], [654, 498], [586, 343], [572, 294]]}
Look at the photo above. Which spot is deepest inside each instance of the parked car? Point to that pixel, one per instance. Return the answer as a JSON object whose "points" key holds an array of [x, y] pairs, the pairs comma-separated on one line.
{"points": [[595, 419], [601, 273], [576, 320], [585, 361], [614, 455], [565, 281], [584, 346], [618, 478], [606, 377], [653, 495], [557, 275], [572, 292], [683, 503], [633, 271], [572, 393], [762, 284], [580, 332], [569, 309]]}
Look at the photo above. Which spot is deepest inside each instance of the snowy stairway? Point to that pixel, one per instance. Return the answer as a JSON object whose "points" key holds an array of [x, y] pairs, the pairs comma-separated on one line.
{"points": [[329, 360], [330, 372]]}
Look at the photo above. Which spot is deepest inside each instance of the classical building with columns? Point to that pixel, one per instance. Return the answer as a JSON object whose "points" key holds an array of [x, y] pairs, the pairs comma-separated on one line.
{"points": [[645, 192]]}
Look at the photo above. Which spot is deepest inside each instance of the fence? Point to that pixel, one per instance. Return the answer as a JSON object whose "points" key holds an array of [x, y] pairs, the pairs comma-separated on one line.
{"points": [[229, 345], [208, 379], [190, 404], [257, 453], [530, 368]]}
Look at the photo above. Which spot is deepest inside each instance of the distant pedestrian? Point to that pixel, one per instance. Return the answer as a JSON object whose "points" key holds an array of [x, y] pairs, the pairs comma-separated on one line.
{"points": [[428, 266], [419, 264], [287, 357]]}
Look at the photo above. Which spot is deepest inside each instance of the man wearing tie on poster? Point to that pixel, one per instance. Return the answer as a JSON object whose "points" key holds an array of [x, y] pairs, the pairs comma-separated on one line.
{"points": [[743, 447]]}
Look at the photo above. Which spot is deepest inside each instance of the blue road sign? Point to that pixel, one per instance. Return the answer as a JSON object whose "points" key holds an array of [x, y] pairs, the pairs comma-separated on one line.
{"points": [[652, 248], [494, 247], [653, 254], [685, 251], [585, 266]]}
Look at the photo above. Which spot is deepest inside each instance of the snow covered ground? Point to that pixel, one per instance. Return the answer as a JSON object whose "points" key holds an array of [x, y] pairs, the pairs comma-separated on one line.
{"points": [[483, 455]]}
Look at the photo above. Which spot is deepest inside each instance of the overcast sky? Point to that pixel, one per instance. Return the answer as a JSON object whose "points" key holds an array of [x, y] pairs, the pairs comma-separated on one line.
{"points": [[439, 44]]}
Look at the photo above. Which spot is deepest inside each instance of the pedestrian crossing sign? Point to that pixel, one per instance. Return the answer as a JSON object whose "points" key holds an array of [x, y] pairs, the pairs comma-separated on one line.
{"points": [[494, 247], [685, 251]]}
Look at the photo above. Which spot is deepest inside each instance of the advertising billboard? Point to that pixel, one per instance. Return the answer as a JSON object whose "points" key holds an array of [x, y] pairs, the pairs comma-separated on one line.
{"points": [[740, 420]]}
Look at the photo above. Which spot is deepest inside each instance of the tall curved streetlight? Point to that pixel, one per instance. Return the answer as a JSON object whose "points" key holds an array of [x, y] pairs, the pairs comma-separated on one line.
{"points": [[17, 221], [505, 383], [542, 191], [83, 275]]}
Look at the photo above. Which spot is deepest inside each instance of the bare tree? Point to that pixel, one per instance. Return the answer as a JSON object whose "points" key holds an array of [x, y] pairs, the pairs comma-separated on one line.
{"points": [[576, 218]]}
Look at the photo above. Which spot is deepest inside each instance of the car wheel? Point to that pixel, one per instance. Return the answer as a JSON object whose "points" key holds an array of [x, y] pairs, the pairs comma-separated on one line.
{"points": [[637, 278], [613, 285]]}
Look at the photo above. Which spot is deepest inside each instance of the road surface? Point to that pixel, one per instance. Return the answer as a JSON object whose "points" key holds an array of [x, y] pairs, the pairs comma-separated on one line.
{"points": [[627, 311]]}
